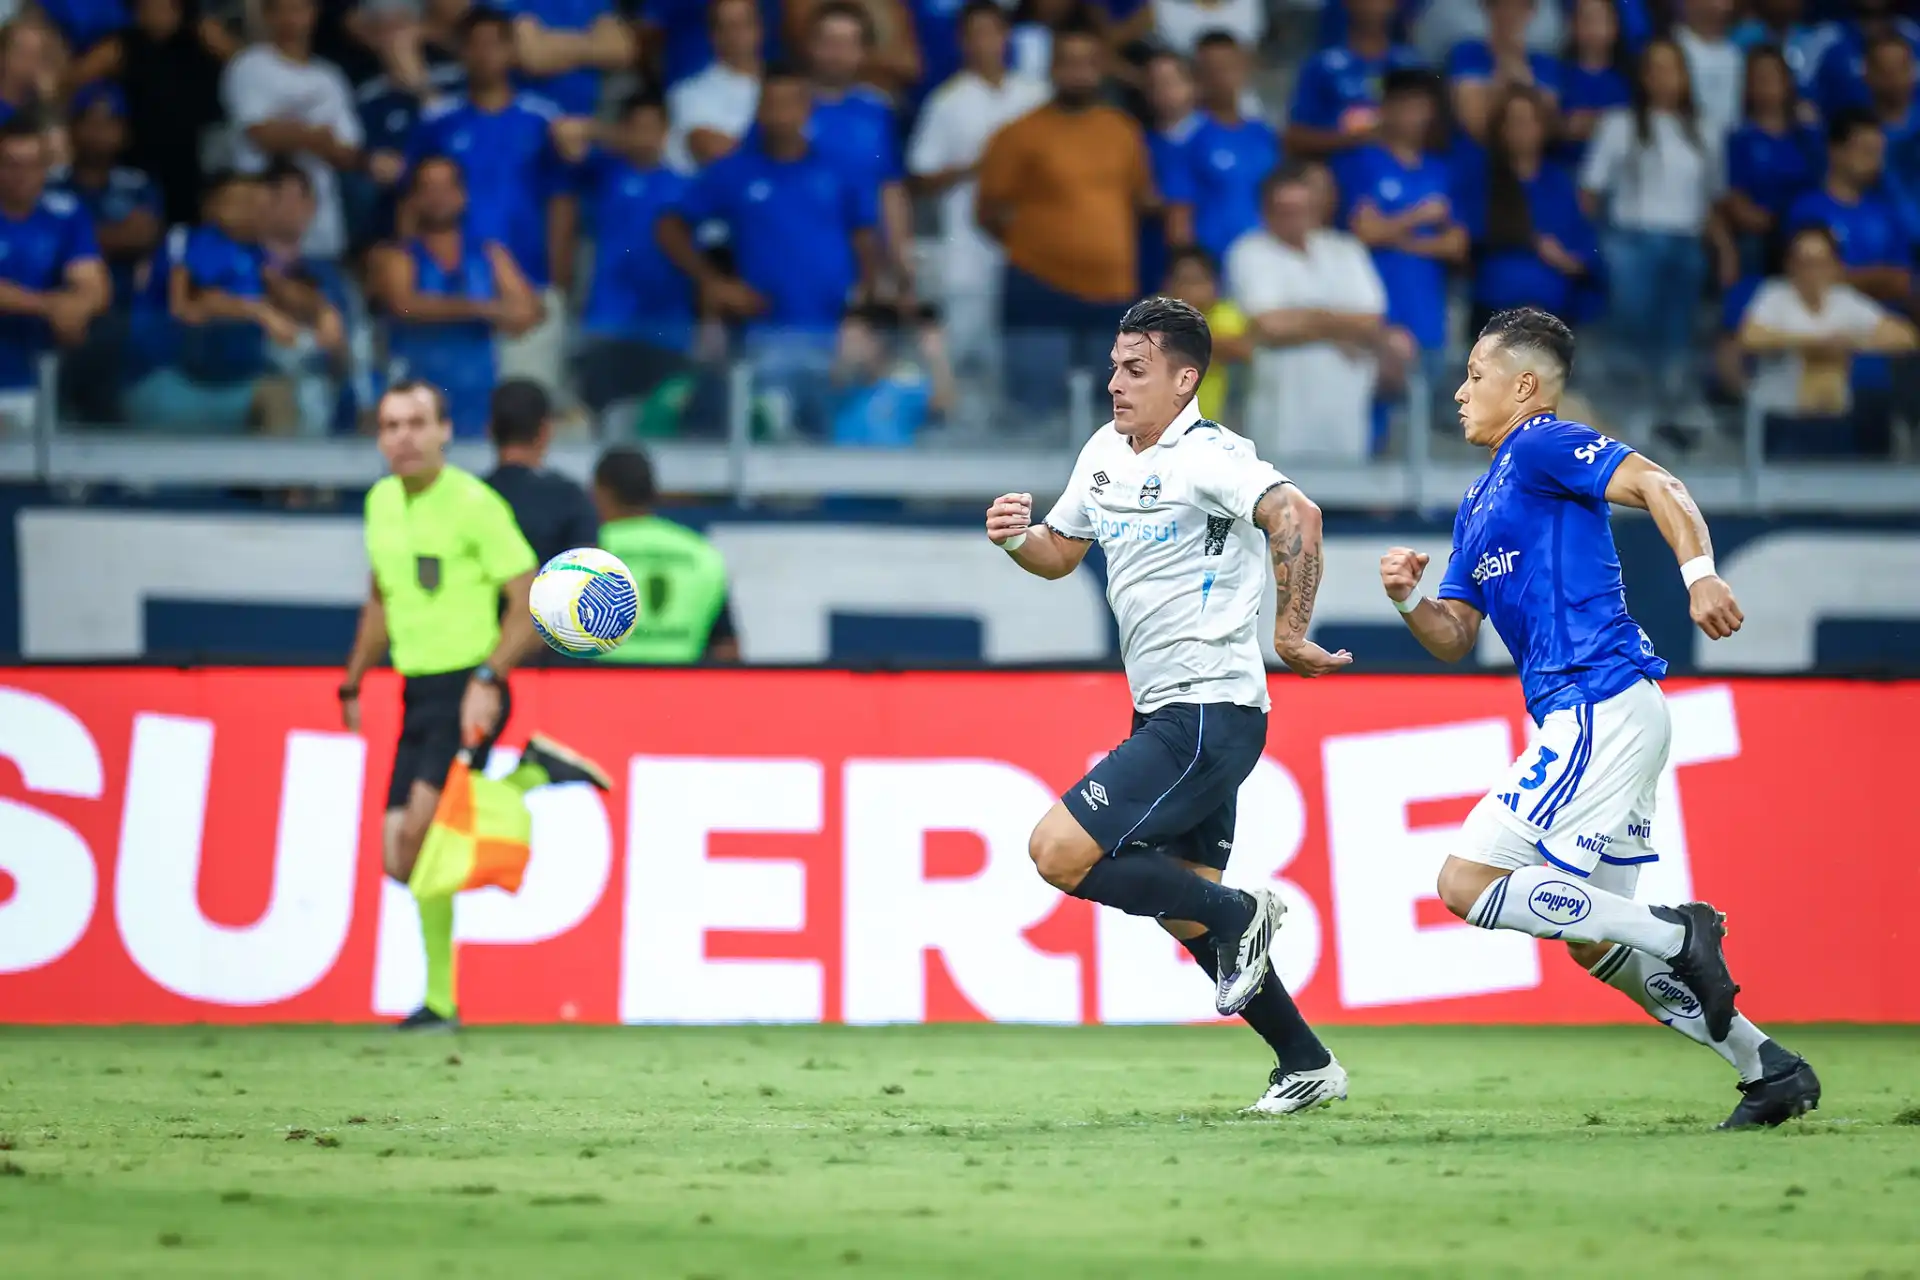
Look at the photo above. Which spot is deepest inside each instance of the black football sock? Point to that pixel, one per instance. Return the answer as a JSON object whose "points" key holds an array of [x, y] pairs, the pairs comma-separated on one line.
{"points": [[1148, 883], [1271, 1012]]}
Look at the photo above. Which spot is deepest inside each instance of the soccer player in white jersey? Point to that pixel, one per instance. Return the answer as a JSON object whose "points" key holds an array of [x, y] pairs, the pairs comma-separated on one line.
{"points": [[1191, 521], [1555, 850]]}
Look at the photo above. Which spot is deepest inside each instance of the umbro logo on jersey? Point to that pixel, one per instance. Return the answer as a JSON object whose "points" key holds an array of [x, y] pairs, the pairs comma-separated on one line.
{"points": [[1099, 481], [1094, 794]]}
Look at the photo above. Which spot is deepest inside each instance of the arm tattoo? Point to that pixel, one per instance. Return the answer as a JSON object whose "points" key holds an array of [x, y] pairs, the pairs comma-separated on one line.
{"points": [[1296, 566]]}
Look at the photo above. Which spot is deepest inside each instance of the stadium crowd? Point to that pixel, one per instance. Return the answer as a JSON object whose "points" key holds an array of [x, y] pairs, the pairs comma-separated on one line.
{"points": [[252, 219]]}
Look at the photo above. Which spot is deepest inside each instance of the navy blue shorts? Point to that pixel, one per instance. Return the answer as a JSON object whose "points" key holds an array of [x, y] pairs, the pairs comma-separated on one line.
{"points": [[1174, 783]]}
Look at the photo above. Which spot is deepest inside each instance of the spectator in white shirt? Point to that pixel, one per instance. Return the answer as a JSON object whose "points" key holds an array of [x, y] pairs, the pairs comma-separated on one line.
{"points": [[710, 111], [1658, 170], [1316, 309], [1805, 329], [1717, 64], [1179, 24], [942, 159], [287, 103]]}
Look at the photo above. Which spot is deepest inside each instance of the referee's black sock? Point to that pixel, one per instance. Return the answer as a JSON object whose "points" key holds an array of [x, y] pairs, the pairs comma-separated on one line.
{"points": [[1146, 882], [1271, 1012]]}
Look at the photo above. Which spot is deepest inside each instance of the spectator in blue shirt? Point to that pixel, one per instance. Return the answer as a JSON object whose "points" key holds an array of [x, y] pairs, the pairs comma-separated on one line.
{"points": [[1229, 154], [52, 282], [1840, 82], [937, 24], [1866, 226], [517, 189], [1890, 92], [685, 37], [1172, 124], [1532, 244], [1336, 101], [1480, 70], [638, 322], [564, 46], [802, 235], [853, 125], [314, 293], [123, 202], [1400, 195], [27, 53], [1594, 77], [85, 23], [446, 292], [1780, 25], [1773, 158], [1336, 21]]}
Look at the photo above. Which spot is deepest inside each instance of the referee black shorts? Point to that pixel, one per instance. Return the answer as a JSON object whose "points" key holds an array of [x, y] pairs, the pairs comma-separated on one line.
{"points": [[430, 732], [1174, 783]]}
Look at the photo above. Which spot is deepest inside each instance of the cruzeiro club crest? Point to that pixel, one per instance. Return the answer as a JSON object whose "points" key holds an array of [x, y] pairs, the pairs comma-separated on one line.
{"points": [[1150, 491]]}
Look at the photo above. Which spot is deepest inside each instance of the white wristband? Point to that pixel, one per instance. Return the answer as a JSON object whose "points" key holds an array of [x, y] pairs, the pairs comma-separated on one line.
{"points": [[1408, 605], [1013, 544], [1695, 569]]}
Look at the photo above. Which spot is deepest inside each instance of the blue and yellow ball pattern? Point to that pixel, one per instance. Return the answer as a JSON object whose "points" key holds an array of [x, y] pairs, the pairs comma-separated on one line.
{"points": [[584, 602]]}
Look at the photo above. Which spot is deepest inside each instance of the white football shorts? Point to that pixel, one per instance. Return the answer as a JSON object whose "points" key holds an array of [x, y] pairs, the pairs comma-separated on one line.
{"points": [[1581, 796]]}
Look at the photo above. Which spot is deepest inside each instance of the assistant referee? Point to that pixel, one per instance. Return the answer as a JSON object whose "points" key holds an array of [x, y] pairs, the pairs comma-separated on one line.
{"points": [[445, 551]]}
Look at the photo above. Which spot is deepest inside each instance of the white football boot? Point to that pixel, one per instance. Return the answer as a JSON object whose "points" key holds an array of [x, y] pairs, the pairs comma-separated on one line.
{"points": [[1288, 1092]]}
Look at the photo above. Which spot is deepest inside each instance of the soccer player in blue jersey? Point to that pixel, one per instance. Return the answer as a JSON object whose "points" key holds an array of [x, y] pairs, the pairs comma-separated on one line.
{"points": [[1556, 849]]}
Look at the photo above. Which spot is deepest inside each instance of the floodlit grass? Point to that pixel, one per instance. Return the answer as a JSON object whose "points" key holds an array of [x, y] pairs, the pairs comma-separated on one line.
{"points": [[938, 1152]]}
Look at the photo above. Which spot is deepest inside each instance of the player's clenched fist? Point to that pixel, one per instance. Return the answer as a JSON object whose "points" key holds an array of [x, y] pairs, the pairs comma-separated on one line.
{"points": [[1714, 609], [1400, 571], [1010, 516]]}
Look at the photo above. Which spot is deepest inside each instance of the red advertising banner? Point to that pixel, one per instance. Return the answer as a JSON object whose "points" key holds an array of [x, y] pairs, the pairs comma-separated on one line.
{"points": [[803, 846]]}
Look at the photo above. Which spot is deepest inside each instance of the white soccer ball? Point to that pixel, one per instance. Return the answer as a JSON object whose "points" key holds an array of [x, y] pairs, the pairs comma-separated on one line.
{"points": [[584, 602]]}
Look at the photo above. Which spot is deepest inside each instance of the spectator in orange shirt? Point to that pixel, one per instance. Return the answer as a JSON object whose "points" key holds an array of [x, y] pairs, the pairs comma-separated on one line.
{"points": [[1063, 188]]}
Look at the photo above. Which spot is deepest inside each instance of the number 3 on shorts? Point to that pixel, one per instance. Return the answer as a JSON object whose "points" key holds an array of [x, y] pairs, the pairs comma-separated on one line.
{"points": [[1539, 775]]}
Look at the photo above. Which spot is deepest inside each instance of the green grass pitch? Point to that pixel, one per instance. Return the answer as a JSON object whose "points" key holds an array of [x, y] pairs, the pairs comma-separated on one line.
{"points": [[743, 1153]]}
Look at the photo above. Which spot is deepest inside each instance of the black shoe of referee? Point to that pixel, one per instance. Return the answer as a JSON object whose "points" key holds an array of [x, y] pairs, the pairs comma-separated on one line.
{"points": [[425, 1019], [564, 764]]}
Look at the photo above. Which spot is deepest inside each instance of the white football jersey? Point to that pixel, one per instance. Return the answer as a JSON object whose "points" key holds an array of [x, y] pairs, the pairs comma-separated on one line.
{"points": [[1185, 562]]}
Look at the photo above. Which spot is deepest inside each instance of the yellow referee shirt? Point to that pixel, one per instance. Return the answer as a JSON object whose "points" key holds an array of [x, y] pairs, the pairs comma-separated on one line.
{"points": [[440, 557]]}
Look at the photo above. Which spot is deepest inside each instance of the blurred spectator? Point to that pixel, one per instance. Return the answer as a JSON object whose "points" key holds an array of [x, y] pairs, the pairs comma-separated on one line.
{"points": [[1779, 24], [1336, 101], [1657, 170], [685, 615], [1772, 159], [287, 103], [944, 157], [638, 322], [230, 311], [1195, 280], [1715, 64], [312, 291], [1062, 188], [1403, 212], [445, 293], [52, 282], [123, 202], [802, 236], [1480, 70], [518, 186], [1594, 77], [1435, 27], [1806, 330], [892, 377], [418, 43], [1230, 155], [564, 46], [1035, 22], [938, 28], [1173, 123], [712, 110], [553, 512], [1532, 243], [891, 58], [1890, 93], [1866, 226], [1316, 310], [169, 63], [84, 23], [853, 126], [1839, 82], [683, 32], [1180, 25], [29, 69]]}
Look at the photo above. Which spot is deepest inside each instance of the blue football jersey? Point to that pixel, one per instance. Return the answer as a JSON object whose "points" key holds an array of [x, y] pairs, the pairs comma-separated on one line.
{"points": [[1533, 551]]}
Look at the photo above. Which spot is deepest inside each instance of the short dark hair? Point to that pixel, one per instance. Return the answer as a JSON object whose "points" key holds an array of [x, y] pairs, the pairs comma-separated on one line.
{"points": [[713, 9], [851, 12], [981, 9], [1886, 38], [782, 69], [217, 181], [1410, 80], [432, 158], [21, 126], [285, 170], [1216, 39], [519, 409], [1292, 173], [645, 98], [1077, 26], [1195, 254], [407, 386], [627, 476], [1846, 123], [1531, 329], [484, 16], [1175, 327]]}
